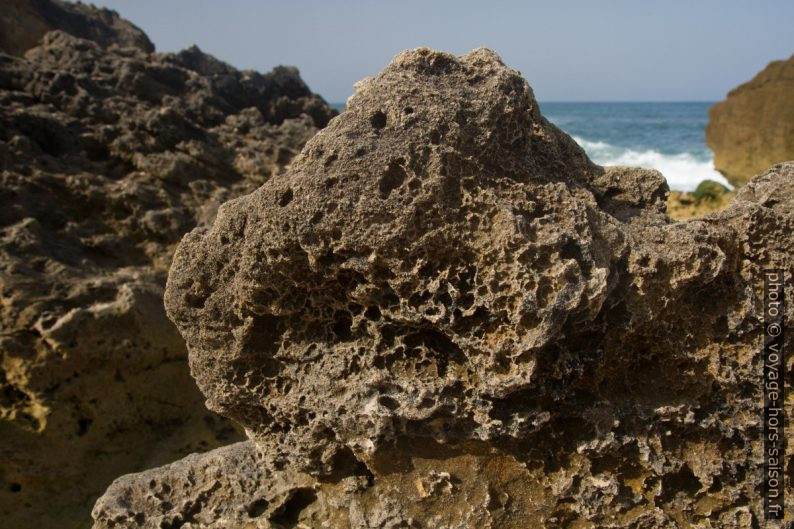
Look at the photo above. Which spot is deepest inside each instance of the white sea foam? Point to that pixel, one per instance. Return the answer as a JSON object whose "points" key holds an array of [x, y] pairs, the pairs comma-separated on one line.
{"points": [[683, 171]]}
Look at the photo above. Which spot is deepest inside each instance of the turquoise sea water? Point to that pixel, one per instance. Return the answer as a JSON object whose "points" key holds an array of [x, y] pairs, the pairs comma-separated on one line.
{"points": [[664, 136]]}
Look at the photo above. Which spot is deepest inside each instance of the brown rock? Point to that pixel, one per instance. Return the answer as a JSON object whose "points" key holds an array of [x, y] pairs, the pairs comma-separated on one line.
{"points": [[367, 256], [754, 127], [446, 316], [108, 155], [422, 484], [24, 22]]}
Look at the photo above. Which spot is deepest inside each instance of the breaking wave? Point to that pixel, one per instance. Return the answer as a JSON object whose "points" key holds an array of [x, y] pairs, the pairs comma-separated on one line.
{"points": [[684, 171]]}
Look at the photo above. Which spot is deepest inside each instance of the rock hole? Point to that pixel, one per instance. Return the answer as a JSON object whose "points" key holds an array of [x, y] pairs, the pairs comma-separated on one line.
{"points": [[82, 426], [342, 324], [388, 402], [571, 250], [466, 301], [435, 137], [349, 279], [328, 259], [289, 513], [497, 500], [682, 481], [48, 135], [372, 313], [15, 487], [438, 345], [378, 120], [445, 299], [427, 402], [257, 508], [344, 463], [461, 117], [387, 336], [95, 151], [317, 217], [417, 299], [263, 341], [427, 269], [194, 301], [408, 110], [391, 179], [286, 198]]}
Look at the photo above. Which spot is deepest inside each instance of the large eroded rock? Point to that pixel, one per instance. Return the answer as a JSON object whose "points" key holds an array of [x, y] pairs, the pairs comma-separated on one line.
{"points": [[108, 155], [443, 315], [754, 127]]}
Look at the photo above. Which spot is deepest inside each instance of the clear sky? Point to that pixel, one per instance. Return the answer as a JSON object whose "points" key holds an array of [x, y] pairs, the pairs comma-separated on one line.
{"points": [[569, 50]]}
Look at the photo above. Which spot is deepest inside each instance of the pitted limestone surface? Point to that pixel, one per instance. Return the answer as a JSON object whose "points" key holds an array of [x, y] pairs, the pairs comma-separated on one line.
{"points": [[404, 281], [441, 262], [441, 267]]}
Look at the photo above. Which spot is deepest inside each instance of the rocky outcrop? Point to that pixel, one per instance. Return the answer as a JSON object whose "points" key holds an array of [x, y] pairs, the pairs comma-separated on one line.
{"points": [[754, 127], [108, 155], [444, 315], [24, 22]]}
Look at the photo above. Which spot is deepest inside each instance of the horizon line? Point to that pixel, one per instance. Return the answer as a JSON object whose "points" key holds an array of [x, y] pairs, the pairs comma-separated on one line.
{"points": [[614, 101], [626, 101]]}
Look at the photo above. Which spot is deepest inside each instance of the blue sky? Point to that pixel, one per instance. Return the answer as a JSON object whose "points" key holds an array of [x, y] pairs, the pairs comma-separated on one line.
{"points": [[610, 50]]}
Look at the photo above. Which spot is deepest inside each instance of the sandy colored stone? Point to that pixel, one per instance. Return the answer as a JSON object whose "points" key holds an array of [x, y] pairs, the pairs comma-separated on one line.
{"points": [[444, 307], [753, 127], [108, 155]]}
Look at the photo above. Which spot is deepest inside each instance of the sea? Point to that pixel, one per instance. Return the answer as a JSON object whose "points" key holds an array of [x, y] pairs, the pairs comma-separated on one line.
{"points": [[665, 136]]}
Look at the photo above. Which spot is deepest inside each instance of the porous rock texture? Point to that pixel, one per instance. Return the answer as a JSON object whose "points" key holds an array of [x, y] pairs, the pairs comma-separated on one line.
{"points": [[753, 127], [108, 155], [444, 315]]}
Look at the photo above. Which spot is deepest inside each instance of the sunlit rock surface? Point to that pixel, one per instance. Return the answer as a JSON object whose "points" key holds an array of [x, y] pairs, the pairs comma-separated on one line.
{"points": [[444, 315]]}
